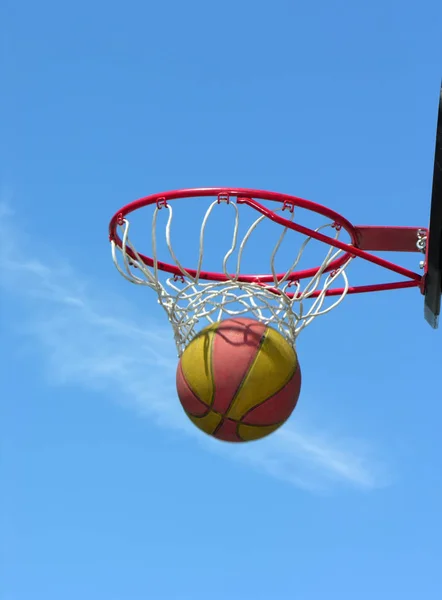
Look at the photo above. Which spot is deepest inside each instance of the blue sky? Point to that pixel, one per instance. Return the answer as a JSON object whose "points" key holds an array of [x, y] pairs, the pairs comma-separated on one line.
{"points": [[107, 492]]}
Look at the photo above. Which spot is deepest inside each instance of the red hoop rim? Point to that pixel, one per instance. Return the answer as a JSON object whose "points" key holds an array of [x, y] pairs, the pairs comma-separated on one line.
{"points": [[363, 238], [242, 196]]}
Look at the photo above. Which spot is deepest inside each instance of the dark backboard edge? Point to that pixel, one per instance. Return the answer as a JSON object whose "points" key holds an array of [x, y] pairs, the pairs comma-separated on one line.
{"points": [[433, 284]]}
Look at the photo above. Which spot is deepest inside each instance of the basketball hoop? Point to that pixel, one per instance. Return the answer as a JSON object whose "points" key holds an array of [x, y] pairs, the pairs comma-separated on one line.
{"points": [[289, 300]]}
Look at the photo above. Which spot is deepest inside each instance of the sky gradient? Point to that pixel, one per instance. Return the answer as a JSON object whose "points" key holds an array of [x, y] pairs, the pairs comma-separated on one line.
{"points": [[107, 491]]}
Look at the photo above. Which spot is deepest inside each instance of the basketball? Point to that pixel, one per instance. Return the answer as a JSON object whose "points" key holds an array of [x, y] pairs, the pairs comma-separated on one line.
{"points": [[238, 380]]}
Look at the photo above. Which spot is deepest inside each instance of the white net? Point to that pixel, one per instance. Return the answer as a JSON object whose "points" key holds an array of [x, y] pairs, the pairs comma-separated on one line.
{"points": [[191, 303]]}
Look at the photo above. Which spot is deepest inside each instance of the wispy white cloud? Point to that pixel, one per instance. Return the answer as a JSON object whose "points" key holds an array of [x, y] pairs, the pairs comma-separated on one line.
{"points": [[88, 341]]}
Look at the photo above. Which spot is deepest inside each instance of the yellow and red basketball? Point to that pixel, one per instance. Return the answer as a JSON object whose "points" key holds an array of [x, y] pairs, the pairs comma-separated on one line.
{"points": [[238, 380]]}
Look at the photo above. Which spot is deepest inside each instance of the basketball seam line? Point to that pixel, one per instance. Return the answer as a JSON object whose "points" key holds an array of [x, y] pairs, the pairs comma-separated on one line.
{"points": [[252, 362], [223, 417], [234, 421], [208, 408], [289, 377], [212, 375], [248, 371]]}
